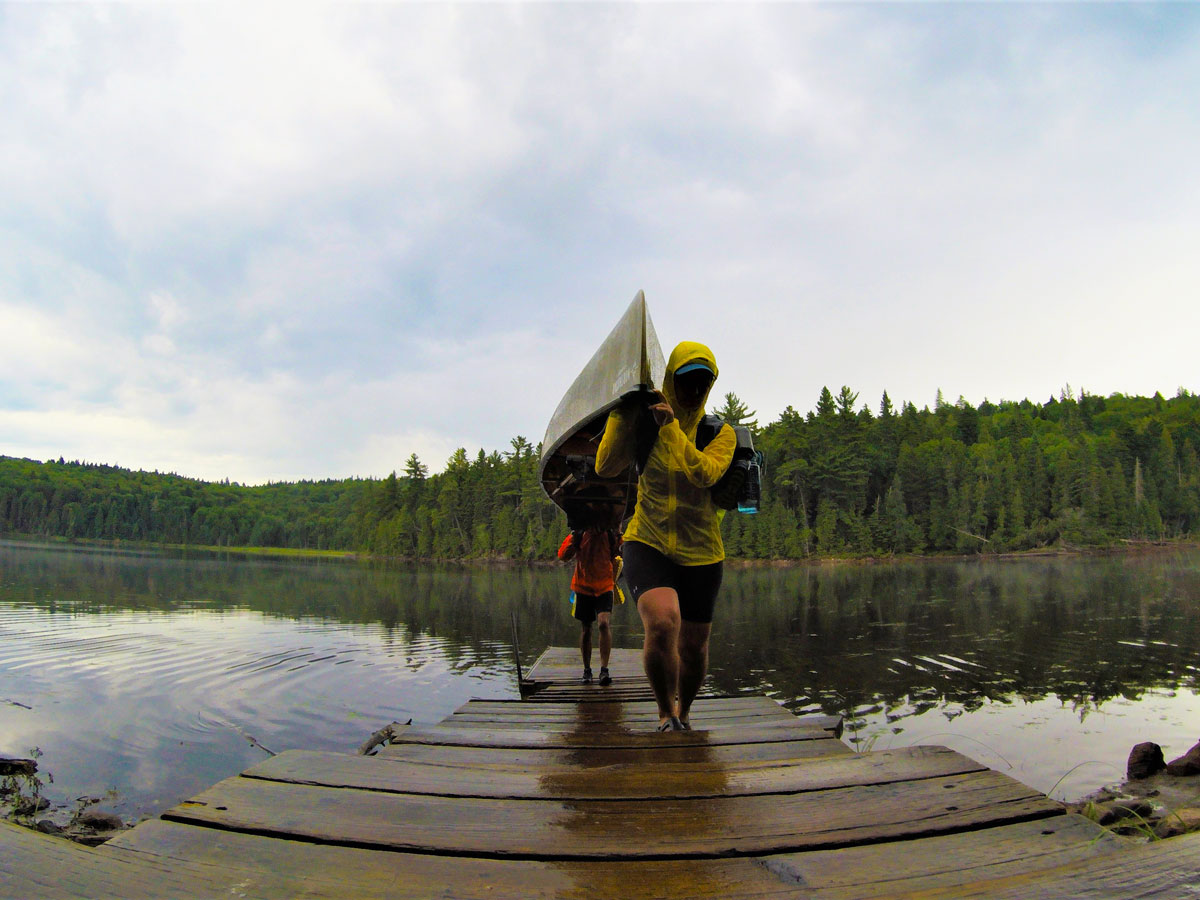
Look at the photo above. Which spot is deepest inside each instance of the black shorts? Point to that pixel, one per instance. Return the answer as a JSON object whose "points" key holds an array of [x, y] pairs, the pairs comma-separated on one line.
{"points": [[587, 606], [697, 586]]}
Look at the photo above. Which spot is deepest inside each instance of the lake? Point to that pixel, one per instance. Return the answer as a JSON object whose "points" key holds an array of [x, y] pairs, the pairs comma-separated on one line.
{"points": [[147, 676]]}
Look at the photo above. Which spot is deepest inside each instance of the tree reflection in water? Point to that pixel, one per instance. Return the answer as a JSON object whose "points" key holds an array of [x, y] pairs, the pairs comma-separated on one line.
{"points": [[910, 637], [907, 652]]}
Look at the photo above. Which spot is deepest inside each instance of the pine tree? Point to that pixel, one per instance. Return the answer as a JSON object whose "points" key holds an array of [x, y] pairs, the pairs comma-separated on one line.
{"points": [[735, 412]]}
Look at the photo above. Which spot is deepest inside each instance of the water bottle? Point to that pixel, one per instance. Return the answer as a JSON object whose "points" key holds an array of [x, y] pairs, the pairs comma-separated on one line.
{"points": [[750, 493]]}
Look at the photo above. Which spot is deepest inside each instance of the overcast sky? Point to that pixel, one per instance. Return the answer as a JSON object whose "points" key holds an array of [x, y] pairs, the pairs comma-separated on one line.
{"points": [[271, 242]]}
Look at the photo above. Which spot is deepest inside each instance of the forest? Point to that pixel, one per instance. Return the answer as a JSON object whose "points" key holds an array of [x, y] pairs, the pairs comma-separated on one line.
{"points": [[839, 481]]}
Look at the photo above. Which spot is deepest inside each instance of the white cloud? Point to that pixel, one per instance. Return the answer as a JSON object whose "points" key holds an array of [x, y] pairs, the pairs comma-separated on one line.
{"points": [[266, 243]]}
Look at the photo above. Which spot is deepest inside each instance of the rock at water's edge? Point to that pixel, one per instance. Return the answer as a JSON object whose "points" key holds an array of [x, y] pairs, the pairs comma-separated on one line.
{"points": [[100, 820], [1137, 810], [1188, 764], [1179, 821], [1145, 759]]}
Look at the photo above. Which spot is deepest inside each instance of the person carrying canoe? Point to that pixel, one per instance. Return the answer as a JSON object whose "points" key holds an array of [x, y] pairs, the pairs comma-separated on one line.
{"points": [[673, 551], [596, 553]]}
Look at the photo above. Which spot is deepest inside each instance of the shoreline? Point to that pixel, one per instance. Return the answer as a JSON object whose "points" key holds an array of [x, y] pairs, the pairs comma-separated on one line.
{"points": [[1123, 548]]}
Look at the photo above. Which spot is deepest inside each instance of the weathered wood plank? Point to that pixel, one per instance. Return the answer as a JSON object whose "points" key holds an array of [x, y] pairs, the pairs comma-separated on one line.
{"points": [[591, 757], [609, 712], [594, 691], [166, 859], [34, 865], [704, 713], [590, 695], [466, 736], [948, 861], [268, 867], [550, 829], [565, 664], [1165, 870], [552, 707], [638, 781], [631, 725]]}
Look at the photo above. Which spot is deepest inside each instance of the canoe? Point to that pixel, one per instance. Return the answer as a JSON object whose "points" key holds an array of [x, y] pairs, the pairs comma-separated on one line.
{"points": [[630, 361]]}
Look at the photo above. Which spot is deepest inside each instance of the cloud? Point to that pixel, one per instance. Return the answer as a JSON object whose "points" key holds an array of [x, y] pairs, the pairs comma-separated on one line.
{"points": [[247, 243]]}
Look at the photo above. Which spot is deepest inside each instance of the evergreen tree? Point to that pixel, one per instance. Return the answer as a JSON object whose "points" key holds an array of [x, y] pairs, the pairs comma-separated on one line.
{"points": [[734, 412]]}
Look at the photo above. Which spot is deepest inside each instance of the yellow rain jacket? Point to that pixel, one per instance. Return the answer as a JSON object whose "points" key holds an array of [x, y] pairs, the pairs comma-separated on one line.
{"points": [[675, 513]]}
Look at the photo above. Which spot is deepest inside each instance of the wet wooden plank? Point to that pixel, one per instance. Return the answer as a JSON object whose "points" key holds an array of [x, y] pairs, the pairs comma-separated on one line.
{"points": [[1165, 870], [590, 695], [642, 780], [606, 756], [705, 715], [266, 867], [945, 862], [594, 690], [626, 725], [466, 736], [607, 713], [166, 859], [556, 677], [35, 865], [564, 664], [565, 708], [549, 829], [601, 712]]}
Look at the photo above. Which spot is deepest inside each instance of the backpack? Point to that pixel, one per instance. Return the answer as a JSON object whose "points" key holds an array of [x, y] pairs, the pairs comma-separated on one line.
{"points": [[741, 485]]}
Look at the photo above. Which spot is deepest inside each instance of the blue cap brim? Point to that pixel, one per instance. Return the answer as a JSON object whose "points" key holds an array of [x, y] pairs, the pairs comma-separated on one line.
{"points": [[693, 367]]}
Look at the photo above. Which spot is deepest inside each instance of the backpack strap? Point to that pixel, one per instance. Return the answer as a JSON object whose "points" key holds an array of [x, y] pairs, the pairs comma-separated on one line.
{"points": [[709, 427], [645, 437]]}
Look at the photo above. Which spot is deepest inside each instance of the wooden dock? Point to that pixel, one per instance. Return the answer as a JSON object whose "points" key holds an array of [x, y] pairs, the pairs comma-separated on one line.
{"points": [[572, 793]]}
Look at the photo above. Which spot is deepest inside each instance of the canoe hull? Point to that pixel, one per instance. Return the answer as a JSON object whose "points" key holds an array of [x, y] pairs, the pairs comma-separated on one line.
{"points": [[630, 361]]}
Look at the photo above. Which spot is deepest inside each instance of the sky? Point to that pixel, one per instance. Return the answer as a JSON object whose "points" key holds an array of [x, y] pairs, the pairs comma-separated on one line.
{"points": [[271, 242]]}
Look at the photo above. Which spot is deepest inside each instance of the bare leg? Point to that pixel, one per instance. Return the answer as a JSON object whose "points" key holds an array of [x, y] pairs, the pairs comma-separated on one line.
{"points": [[693, 662], [585, 644], [659, 609], [602, 621]]}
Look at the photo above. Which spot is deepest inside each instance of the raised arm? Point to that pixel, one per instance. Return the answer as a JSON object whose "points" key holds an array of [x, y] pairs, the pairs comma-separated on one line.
{"points": [[703, 468], [617, 447]]}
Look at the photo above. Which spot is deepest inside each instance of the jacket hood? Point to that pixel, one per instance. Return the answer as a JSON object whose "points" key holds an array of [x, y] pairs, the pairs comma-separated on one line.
{"points": [[684, 353]]}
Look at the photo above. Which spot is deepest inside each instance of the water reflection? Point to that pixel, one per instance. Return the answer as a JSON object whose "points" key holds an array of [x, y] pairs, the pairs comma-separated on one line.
{"points": [[159, 674], [846, 639]]}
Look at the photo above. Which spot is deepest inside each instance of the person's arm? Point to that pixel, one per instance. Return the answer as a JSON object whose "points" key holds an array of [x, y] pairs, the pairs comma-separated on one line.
{"points": [[568, 548], [703, 468], [617, 446]]}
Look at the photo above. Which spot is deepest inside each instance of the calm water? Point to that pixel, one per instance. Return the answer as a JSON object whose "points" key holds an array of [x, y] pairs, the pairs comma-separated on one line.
{"points": [[154, 676]]}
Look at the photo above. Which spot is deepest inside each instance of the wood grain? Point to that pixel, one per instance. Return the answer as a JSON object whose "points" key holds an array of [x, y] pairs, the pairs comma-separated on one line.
{"points": [[551, 829], [638, 780]]}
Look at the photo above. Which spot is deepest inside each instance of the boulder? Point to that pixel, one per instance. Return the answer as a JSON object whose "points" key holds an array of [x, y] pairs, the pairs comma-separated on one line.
{"points": [[1145, 759], [99, 820], [1188, 764], [1179, 821]]}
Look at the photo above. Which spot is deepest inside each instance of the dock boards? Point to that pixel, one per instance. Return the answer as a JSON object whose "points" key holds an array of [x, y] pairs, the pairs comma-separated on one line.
{"points": [[582, 799]]}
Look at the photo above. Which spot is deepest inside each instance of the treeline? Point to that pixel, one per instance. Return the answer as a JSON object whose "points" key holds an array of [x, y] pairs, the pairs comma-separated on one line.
{"points": [[1073, 471], [491, 506], [87, 500], [839, 481]]}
